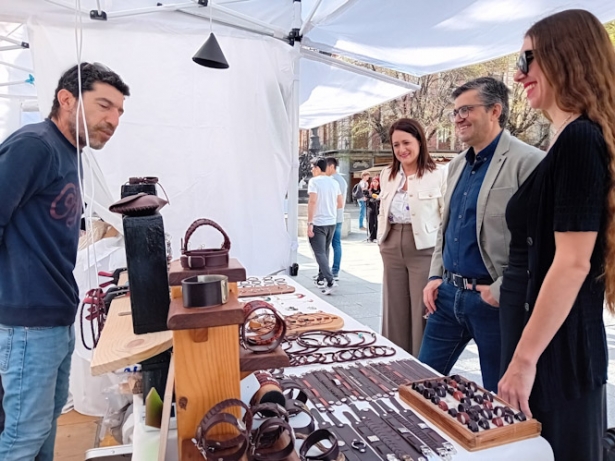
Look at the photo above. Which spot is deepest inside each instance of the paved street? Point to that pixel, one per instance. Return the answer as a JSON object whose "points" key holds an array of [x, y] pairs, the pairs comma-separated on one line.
{"points": [[360, 296]]}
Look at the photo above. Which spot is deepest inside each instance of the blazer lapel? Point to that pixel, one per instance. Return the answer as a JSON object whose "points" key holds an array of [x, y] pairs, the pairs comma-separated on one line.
{"points": [[499, 157]]}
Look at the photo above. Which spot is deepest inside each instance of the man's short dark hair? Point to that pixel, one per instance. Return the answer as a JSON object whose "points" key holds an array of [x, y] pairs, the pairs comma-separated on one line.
{"points": [[90, 74], [491, 92], [332, 161], [320, 162]]}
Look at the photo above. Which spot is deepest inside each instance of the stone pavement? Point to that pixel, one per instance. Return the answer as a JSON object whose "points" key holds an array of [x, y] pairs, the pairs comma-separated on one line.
{"points": [[360, 296]]}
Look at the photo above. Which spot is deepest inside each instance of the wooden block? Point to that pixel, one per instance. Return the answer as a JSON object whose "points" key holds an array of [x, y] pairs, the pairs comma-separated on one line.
{"points": [[182, 318], [119, 347], [205, 374], [471, 441], [176, 292], [234, 271], [249, 361]]}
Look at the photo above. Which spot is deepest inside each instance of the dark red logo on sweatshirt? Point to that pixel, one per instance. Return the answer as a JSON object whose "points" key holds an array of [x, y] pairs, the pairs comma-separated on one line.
{"points": [[66, 205]]}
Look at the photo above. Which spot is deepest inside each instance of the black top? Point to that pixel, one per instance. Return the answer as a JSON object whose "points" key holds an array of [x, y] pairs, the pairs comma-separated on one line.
{"points": [[566, 193]]}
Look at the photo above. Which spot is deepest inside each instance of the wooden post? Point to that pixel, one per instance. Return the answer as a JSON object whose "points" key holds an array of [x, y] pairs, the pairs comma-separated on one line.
{"points": [[206, 350]]}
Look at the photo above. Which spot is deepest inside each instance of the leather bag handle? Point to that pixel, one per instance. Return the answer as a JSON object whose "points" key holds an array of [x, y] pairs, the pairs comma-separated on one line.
{"points": [[226, 245]]}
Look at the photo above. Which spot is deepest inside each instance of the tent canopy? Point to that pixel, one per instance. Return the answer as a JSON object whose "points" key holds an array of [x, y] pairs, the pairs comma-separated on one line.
{"points": [[224, 143]]}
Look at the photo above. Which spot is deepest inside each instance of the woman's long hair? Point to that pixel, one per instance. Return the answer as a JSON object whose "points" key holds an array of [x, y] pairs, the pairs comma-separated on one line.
{"points": [[578, 59], [414, 128]]}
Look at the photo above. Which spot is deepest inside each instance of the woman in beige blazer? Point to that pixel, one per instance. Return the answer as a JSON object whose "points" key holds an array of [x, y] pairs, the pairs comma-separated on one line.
{"points": [[411, 204]]}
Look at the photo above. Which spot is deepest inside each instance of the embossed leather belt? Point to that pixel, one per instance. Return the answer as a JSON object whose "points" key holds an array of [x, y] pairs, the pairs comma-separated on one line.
{"points": [[207, 257], [205, 290]]}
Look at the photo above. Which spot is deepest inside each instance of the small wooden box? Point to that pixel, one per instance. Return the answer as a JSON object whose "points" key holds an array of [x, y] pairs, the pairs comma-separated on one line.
{"points": [[471, 441]]}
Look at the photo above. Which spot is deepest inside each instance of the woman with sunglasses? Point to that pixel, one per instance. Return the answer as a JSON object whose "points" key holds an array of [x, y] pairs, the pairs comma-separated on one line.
{"points": [[562, 252]]}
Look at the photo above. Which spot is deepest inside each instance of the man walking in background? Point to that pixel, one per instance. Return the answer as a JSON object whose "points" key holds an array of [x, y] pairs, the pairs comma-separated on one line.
{"points": [[325, 198], [336, 243]]}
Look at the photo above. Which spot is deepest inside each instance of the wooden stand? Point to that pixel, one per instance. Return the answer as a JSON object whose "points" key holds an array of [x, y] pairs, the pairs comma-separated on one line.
{"points": [[206, 349]]}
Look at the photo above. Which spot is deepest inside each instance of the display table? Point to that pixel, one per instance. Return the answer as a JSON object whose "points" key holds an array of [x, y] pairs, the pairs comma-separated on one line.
{"points": [[304, 301]]}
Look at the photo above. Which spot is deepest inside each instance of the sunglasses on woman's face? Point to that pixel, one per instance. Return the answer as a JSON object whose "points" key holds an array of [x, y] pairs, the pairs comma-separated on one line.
{"points": [[525, 59]]}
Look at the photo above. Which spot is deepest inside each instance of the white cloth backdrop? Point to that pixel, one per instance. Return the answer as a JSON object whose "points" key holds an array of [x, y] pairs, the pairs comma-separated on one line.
{"points": [[219, 141]]}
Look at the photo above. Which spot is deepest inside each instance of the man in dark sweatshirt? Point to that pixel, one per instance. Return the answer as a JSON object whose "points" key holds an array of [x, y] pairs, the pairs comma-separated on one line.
{"points": [[40, 210]]}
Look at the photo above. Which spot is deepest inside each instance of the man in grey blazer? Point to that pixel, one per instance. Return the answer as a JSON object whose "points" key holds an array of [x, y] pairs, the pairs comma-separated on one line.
{"points": [[471, 252]]}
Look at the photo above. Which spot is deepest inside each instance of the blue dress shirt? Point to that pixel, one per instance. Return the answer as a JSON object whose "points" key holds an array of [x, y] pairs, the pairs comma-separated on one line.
{"points": [[461, 254]]}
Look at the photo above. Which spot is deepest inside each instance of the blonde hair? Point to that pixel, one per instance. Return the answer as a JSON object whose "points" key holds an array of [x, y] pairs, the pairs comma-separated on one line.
{"points": [[578, 59]]}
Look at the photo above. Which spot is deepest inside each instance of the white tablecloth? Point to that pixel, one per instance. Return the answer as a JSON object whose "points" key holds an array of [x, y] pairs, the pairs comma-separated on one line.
{"points": [[535, 449]]}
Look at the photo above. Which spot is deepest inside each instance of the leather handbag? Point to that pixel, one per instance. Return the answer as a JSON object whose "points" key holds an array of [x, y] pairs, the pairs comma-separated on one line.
{"points": [[207, 257], [140, 204]]}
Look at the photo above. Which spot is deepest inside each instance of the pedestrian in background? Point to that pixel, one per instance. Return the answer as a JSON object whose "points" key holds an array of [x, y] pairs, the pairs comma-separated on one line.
{"points": [[363, 186], [325, 198], [336, 243], [411, 204], [373, 207]]}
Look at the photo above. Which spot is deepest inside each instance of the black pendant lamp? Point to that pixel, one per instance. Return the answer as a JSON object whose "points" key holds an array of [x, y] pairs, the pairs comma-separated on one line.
{"points": [[210, 54]]}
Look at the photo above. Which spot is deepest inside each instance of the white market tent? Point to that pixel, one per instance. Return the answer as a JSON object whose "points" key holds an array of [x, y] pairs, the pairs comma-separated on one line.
{"points": [[224, 142]]}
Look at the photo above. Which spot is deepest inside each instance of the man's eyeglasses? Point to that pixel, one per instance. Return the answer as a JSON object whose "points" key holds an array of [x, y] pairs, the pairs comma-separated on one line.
{"points": [[525, 59], [463, 111]]}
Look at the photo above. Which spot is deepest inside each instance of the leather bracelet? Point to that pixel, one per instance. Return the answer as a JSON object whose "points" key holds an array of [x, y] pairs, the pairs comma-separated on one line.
{"points": [[264, 342], [208, 257], [320, 435], [205, 290], [216, 415]]}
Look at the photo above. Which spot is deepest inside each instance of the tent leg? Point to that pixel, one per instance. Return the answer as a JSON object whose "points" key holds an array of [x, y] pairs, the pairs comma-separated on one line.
{"points": [[293, 185]]}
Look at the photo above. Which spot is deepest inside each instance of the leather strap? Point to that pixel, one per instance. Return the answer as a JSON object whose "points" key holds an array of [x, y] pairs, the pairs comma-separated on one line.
{"points": [[316, 437], [269, 426], [208, 257], [266, 341], [349, 442], [216, 415], [205, 290]]}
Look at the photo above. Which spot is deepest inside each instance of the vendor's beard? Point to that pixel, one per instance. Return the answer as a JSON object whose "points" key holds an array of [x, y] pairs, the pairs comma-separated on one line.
{"points": [[95, 143]]}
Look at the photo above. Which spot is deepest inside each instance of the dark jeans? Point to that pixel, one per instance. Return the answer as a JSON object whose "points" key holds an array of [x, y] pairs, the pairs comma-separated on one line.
{"points": [[321, 243], [462, 315], [336, 243]]}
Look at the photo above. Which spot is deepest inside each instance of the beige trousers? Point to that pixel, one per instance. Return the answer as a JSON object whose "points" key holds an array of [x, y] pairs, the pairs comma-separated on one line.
{"points": [[406, 271]]}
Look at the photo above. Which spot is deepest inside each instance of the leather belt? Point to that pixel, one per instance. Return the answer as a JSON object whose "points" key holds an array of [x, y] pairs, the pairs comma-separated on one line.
{"points": [[349, 442], [268, 340], [208, 257], [314, 439], [216, 416], [465, 283], [205, 290]]}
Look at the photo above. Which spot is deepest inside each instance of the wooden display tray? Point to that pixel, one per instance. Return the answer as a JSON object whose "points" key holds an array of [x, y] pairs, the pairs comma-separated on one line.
{"points": [[234, 271], [265, 290], [471, 441], [182, 318]]}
